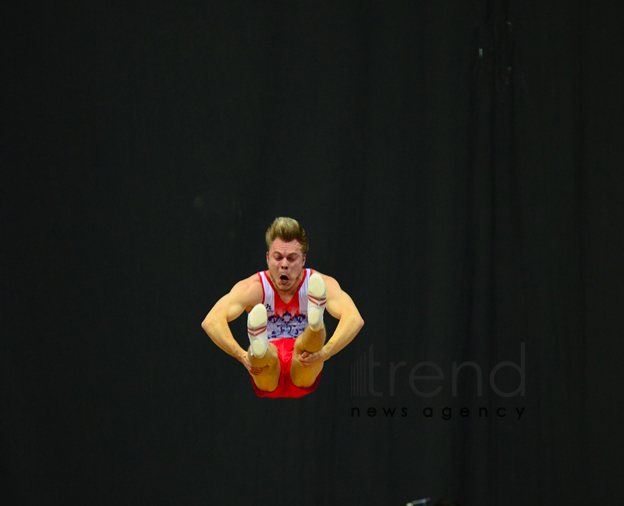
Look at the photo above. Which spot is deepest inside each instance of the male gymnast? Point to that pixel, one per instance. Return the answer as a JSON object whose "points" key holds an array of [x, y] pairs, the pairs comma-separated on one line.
{"points": [[285, 306]]}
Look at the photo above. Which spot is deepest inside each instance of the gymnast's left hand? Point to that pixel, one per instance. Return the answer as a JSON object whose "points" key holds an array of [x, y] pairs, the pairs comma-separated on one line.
{"points": [[307, 359]]}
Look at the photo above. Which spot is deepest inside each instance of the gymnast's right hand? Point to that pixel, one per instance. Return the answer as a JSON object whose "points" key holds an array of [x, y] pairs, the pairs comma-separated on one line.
{"points": [[252, 369]]}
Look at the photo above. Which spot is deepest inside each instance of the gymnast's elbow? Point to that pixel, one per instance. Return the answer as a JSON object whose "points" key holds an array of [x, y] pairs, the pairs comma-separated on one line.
{"points": [[207, 324], [359, 322]]}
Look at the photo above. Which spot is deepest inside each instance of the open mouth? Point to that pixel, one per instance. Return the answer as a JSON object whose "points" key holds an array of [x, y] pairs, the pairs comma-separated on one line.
{"points": [[283, 278]]}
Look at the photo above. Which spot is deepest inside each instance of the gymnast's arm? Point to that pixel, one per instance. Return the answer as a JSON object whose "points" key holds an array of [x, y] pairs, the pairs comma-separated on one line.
{"points": [[244, 294]]}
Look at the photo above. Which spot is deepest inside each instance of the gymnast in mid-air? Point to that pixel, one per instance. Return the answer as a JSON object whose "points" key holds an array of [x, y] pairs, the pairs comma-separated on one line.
{"points": [[285, 306]]}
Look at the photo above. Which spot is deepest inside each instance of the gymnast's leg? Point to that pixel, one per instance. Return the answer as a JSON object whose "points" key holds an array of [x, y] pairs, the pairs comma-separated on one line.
{"points": [[268, 379], [262, 353], [313, 337], [310, 341]]}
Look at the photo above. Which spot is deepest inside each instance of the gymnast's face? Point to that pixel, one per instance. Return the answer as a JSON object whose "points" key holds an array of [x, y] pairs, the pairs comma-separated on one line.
{"points": [[285, 261]]}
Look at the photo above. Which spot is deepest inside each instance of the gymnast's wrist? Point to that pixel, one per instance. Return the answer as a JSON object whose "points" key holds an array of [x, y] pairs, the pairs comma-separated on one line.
{"points": [[326, 352], [240, 354]]}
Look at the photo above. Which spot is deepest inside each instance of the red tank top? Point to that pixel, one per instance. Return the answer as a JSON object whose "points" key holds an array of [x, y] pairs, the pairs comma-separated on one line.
{"points": [[285, 321]]}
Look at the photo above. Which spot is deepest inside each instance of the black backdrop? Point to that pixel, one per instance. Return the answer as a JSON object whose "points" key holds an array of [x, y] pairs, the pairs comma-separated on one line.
{"points": [[458, 168]]}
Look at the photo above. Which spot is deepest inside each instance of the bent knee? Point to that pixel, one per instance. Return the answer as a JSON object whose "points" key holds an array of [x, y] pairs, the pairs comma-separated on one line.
{"points": [[306, 381], [304, 377]]}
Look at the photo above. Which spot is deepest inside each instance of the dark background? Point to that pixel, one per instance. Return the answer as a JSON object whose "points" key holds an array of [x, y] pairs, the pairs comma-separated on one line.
{"points": [[458, 168]]}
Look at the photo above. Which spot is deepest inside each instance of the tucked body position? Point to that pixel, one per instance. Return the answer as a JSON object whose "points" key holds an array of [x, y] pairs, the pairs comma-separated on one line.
{"points": [[285, 307]]}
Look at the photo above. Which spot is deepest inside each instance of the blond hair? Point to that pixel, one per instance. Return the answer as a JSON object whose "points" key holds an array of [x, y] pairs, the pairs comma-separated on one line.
{"points": [[287, 230]]}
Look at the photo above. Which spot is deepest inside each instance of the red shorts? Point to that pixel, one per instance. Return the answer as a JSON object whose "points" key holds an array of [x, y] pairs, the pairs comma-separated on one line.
{"points": [[285, 386]]}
